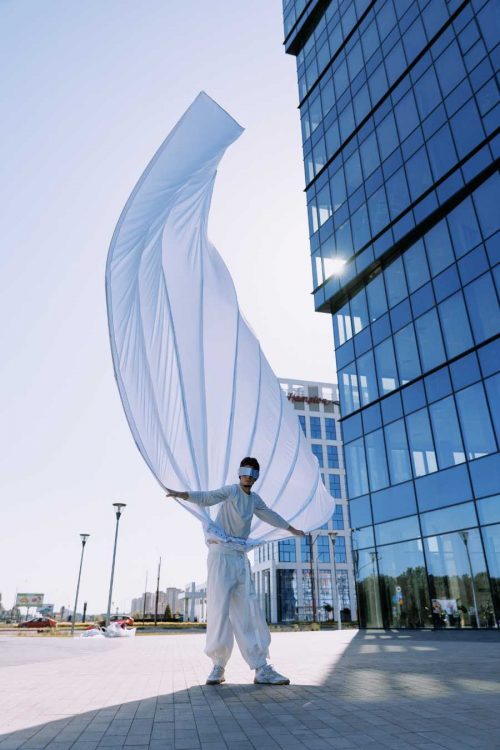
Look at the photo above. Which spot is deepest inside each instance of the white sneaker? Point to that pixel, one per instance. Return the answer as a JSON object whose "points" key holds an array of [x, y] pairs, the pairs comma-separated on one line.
{"points": [[216, 676], [266, 675]]}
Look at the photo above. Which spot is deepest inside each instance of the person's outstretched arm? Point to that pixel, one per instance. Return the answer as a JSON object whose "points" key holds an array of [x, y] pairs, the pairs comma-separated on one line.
{"points": [[212, 497], [273, 518]]}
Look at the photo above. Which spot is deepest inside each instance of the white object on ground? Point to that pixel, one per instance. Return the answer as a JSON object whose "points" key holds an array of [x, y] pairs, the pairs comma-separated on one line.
{"points": [[198, 392]]}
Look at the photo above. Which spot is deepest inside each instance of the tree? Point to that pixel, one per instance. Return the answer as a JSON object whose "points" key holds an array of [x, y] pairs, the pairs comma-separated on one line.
{"points": [[167, 617]]}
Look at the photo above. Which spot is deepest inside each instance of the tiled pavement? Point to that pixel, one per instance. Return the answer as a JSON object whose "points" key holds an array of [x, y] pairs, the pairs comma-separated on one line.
{"points": [[350, 690]]}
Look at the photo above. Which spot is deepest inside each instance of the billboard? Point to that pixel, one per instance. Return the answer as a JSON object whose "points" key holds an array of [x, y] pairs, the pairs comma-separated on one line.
{"points": [[29, 600]]}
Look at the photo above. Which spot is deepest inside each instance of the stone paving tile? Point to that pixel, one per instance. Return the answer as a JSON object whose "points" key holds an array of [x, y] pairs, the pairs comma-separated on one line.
{"points": [[350, 691]]}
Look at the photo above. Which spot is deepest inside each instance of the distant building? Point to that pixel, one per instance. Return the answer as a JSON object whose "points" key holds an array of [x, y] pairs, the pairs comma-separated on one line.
{"points": [[146, 603], [283, 572], [193, 602]]}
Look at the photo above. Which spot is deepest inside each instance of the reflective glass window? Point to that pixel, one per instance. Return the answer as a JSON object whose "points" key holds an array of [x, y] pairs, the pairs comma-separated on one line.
{"points": [[367, 378], [446, 283], [483, 307], [343, 325], [379, 212], [363, 538], [442, 153], [475, 420], [338, 518], [447, 438], [486, 202], [488, 509], [491, 539], [394, 502], [360, 511], [399, 530], [437, 385], [489, 357], [386, 367], [287, 594], [415, 262], [413, 397], [359, 311], [375, 292], [421, 443], [305, 550], [395, 282], [439, 248], [372, 418], [429, 340], [473, 264], [455, 325], [404, 585], [493, 392], [357, 478], [334, 486], [464, 229], [302, 421], [365, 564], [407, 354], [458, 580], [448, 519], [446, 487], [418, 173], [406, 115], [397, 452], [348, 392], [392, 408], [323, 549], [465, 371], [375, 456]]}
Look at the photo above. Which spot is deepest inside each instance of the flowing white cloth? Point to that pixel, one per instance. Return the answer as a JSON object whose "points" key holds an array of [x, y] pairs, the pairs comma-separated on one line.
{"points": [[198, 393]]}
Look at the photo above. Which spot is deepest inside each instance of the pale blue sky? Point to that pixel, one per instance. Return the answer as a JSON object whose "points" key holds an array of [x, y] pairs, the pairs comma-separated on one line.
{"points": [[89, 91]]}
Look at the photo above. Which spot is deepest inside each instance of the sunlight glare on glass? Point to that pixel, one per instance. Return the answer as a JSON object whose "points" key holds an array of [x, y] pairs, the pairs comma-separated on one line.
{"points": [[334, 266]]}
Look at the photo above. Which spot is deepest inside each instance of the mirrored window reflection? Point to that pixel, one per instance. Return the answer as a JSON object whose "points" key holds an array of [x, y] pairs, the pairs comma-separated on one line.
{"points": [[491, 538], [363, 537], [475, 420], [357, 478], [429, 340], [456, 329], [421, 444], [349, 391], [386, 367], [367, 379], [449, 448], [365, 565], [484, 311], [404, 585], [395, 282], [448, 519], [458, 581], [375, 457], [397, 452], [407, 354], [393, 531], [488, 509]]}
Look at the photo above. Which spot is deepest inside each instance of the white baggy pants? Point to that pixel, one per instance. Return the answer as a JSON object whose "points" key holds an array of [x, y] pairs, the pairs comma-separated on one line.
{"points": [[233, 609]]}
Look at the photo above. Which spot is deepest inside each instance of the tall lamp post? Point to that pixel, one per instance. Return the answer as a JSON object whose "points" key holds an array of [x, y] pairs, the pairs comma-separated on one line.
{"points": [[119, 507], [464, 535], [84, 538], [333, 538]]}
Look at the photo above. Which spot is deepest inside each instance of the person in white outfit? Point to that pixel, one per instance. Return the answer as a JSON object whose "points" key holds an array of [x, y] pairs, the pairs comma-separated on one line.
{"points": [[232, 606]]}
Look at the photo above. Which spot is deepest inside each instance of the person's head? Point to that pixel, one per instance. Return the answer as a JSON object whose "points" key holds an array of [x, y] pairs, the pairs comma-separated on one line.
{"points": [[248, 472]]}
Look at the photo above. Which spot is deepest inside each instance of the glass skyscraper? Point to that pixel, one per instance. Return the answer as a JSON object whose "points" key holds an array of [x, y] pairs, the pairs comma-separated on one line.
{"points": [[399, 112]]}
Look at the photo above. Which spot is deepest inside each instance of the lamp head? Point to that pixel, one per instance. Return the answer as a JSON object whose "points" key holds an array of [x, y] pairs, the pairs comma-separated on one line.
{"points": [[118, 508], [84, 538]]}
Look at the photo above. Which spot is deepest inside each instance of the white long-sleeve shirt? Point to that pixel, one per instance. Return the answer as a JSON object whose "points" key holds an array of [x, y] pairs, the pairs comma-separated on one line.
{"points": [[237, 509]]}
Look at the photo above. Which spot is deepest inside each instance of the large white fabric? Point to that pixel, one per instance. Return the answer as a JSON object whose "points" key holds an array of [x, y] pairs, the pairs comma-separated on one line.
{"points": [[198, 393], [233, 609]]}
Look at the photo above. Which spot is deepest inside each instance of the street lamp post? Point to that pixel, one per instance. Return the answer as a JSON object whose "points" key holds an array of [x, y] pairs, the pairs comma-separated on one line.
{"points": [[84, 538], [119, 507], [464, 535], [333, 538], [313, 587]]}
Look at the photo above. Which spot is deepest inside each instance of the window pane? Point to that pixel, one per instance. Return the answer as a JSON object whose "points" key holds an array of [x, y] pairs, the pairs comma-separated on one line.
{"points": [[455, 325], [415, 263], [429, 340], [318, 452], [449, 448], [287, 595], [483, 307], [365, 563], [395, 282], [448, 519], [421, 444], [488, 509], [439, 248], [367, 378], [359, 511], [375, 456], [359, 312], [377, 303], [386, 367], [348, 392], [404, 585], [397, 452], [493, 392], [394, 502], [393, 531], [406, 354], [475, 421], [457, 575], [491, 538], [357, 477]]}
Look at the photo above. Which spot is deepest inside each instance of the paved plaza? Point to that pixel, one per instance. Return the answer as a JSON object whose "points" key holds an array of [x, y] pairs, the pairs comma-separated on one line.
{"points": [[349, 690]]}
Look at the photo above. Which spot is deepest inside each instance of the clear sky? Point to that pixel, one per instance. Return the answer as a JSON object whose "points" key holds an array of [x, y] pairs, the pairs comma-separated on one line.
{"points": [[89, 91]]}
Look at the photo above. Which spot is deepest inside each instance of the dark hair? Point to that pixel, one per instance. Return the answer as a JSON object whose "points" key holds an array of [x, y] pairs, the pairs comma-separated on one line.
{"points": [[251, 462]]}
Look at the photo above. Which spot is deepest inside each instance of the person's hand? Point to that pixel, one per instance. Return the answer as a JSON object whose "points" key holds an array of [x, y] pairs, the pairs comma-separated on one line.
{"points": [[296, 532], [177, 493]]}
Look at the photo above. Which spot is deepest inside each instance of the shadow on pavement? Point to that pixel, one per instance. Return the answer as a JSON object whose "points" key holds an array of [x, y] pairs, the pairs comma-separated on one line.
{"points": [[386, 689]]}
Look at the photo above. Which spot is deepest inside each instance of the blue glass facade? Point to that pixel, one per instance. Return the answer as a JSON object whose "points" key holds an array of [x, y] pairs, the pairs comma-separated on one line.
{"points": [[400, 115]]}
